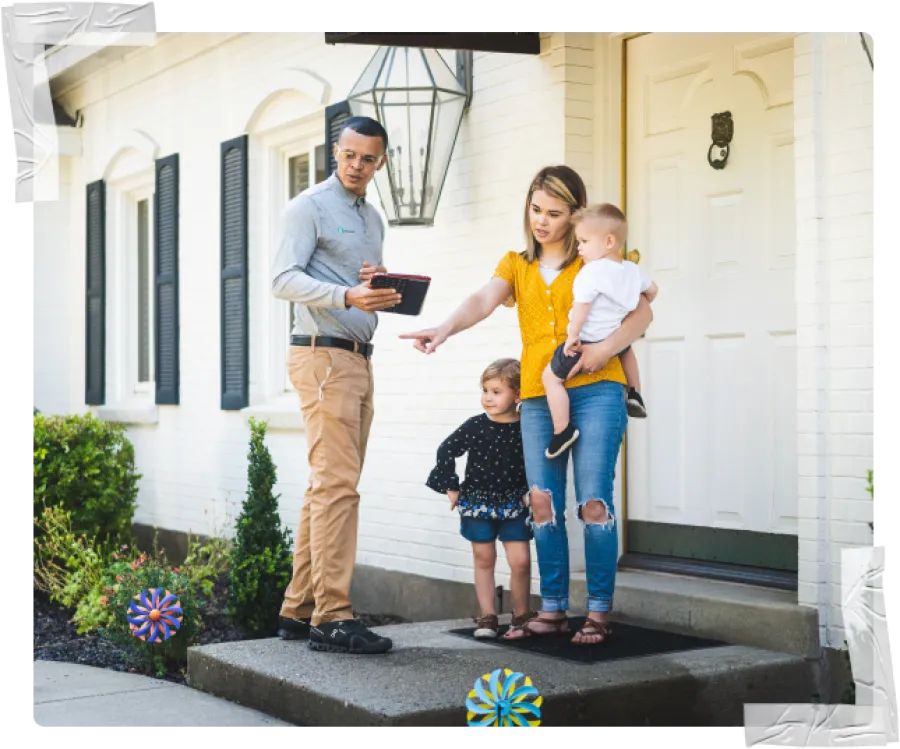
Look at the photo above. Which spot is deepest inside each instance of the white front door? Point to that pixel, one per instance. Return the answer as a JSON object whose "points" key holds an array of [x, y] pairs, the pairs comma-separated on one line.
{"points": [[718, 363]]}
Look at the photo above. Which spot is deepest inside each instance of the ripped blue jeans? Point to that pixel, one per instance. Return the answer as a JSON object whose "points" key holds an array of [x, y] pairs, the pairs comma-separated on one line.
{"points": [[598, 413]]}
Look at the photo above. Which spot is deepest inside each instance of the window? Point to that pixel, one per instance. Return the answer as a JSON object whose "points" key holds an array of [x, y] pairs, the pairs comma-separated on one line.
{"points": [[144, 295], [291, 159], [307, 167], [133, 244], [130, 284], [130, 277]]}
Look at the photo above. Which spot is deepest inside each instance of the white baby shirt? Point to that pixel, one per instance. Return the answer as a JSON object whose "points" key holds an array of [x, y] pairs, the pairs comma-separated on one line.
{"points": [[612, 289]]}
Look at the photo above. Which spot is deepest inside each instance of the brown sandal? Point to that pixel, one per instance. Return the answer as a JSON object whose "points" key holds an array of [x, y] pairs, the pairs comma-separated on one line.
{"points": [[524, 624], [593, 627], [517, 620]]}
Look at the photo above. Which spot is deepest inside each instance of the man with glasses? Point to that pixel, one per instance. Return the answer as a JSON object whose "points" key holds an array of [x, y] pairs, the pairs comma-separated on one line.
{"points": [[329, 245]]}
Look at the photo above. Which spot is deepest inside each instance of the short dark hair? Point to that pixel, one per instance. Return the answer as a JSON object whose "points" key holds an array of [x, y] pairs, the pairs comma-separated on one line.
{"points": [[368, 127]]}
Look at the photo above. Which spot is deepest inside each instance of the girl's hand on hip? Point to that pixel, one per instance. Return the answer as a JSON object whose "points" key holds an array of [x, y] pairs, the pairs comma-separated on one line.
{"points": [[454, 498]]}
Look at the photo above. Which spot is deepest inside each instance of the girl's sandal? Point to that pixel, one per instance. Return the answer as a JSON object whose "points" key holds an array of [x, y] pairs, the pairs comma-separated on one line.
{"points": [[561, 627], [590, 628]]}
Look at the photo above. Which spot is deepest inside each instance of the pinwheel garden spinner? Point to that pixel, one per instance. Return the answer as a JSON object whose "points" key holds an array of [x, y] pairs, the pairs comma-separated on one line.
{"points": [[155, 615], [497, 699]]}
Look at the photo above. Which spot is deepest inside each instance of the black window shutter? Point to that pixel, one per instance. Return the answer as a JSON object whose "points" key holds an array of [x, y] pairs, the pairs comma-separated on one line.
{"points": [[165, 239], [335, 117], [235, 317], [95, 295]]}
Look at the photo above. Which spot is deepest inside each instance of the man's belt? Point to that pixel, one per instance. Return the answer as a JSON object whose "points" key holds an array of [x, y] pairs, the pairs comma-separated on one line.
{"points": [[356, 347]]}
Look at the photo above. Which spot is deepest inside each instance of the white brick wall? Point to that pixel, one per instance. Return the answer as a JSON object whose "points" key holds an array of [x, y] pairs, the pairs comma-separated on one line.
{"points": [[56, 364], [833, 116], [189, 94]]}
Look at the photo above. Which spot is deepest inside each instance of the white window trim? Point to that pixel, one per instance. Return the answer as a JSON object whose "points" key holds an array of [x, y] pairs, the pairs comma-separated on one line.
{"points": [[271, 395], [126, 400]]}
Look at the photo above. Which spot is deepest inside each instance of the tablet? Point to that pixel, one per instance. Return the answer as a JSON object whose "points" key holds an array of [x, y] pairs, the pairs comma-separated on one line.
{"points": [[413, 289]]}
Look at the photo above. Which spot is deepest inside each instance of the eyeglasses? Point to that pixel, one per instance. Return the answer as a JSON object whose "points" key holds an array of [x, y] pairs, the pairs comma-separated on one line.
{"points": [[350, 156]]}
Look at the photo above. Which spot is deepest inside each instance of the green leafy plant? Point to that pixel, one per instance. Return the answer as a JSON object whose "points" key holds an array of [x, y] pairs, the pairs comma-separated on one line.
{"points": [[205, 563], [871, 489], [92, 611], [87, 466], [122, 582], [67, 566], [261, 558]]}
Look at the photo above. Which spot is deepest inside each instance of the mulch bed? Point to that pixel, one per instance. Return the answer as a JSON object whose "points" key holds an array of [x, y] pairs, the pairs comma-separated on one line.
{"points": [[55, 638]]}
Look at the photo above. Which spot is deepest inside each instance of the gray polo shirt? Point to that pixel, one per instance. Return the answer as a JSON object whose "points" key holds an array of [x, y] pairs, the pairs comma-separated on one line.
{"points": [[324, 235]]}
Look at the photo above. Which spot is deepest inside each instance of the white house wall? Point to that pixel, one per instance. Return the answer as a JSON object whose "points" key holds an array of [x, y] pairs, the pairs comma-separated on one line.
{"points": [[193, 456], [834, 179], [56, 262]]}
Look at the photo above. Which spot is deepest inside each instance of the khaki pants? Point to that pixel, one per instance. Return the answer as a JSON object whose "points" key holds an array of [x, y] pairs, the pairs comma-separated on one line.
{"points": [[336, 389]]}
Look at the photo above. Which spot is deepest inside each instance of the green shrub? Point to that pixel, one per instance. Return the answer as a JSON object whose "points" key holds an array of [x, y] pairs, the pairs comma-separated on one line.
{"points": [[87, 466], [205, 563], [200, 572], [67, 566], [122, 581], [261, 558]]}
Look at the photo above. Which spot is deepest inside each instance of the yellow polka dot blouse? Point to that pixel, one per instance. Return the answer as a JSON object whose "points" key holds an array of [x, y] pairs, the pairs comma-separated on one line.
{"points": [[543, 317]]}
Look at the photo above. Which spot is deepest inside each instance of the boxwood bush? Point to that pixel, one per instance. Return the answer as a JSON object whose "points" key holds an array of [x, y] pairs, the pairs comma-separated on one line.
{"points": [[87, 466]]}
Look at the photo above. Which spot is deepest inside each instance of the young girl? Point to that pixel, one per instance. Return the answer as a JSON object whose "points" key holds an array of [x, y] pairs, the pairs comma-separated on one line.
{"points": [[491, 500]]}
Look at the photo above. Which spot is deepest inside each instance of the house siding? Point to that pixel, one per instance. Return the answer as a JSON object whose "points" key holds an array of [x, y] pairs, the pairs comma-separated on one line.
{"points": [[834, 287], [58, 365]]}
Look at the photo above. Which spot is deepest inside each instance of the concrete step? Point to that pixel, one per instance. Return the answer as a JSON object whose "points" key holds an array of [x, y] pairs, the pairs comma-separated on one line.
{"points": [[425, 679], [741, 614], [736, 613]]}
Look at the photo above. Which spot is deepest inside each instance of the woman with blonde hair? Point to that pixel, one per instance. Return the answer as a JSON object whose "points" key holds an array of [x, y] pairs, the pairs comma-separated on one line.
{"points": [[538, 281]]}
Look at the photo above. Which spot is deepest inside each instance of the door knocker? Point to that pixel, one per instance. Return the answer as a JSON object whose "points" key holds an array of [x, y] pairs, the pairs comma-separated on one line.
{"points": [[722, 132]]}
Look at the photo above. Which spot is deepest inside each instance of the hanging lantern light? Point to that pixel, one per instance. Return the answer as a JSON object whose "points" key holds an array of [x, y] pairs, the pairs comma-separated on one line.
{"points": [[420, 103]]}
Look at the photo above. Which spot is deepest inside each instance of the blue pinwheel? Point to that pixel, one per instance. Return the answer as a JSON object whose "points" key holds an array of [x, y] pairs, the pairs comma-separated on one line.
{"points": [[155, 615], [491, 703]]}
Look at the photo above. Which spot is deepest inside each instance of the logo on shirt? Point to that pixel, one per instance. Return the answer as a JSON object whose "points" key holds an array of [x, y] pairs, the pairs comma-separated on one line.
{"points": [[342, 230]]}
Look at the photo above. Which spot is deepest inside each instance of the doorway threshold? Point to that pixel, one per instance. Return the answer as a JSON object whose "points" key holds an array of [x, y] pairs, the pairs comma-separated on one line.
{"points": [[735, 573]]}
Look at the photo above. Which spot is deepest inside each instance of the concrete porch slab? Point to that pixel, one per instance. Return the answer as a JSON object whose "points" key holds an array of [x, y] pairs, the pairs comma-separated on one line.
{"points": [[425, 679]]}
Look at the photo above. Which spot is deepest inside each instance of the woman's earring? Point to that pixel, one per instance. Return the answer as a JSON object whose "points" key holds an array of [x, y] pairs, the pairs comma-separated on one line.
{"points": [[518, 407]]}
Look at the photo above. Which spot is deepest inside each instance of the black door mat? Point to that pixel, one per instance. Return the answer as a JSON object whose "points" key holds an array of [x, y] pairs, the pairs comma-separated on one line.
{"points": [[627, 641]]}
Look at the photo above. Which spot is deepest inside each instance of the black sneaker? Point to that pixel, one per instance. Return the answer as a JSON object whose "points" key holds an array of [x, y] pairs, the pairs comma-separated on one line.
{"points": [[347, 636], [635, 405], [293, 629], [561, 442]]}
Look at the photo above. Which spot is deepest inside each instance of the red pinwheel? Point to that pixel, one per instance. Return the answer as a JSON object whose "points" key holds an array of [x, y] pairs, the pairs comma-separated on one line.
{"points": [[156, 615]]}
